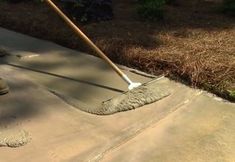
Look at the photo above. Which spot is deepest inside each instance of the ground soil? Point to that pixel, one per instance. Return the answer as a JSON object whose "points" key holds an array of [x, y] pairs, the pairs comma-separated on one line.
{"points": [[194, 43]]}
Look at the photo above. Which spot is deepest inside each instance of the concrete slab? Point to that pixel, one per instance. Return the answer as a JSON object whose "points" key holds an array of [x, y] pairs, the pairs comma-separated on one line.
{"points": [[189, 125], [62, 133], [203, 130], [65, 70]]}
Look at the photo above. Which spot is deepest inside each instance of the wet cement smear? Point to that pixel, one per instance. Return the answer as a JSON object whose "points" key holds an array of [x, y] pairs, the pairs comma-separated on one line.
{"points": [[145, 94], [14, 138]]}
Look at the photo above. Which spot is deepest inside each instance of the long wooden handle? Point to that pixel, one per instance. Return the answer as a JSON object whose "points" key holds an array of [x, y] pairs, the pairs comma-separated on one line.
{"points": [[88, 41]]}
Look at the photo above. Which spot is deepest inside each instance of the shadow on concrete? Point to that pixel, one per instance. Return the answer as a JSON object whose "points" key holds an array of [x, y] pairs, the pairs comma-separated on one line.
{"points": [[19, 104], [64, 77]]}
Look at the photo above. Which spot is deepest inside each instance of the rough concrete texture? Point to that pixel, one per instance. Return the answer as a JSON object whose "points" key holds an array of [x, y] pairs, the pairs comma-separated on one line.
{"points": [[140, 96], [13, 138], [145, 94], [188, 125]]}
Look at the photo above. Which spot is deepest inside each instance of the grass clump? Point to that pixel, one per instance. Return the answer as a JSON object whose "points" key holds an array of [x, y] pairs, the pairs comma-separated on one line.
{"points": [[232, 94]]}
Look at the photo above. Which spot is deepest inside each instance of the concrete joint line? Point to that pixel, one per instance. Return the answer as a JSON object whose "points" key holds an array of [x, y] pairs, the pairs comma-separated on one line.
{"points": [[153, 123]]}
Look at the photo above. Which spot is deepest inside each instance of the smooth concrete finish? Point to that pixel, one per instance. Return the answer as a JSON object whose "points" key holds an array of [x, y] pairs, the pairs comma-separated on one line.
{"points": [[51, 65], [98, 97], [188, 125], [203, 130], [101, 95]]}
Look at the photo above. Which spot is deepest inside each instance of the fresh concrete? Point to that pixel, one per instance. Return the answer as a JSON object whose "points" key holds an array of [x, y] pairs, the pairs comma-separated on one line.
{"points": [[101, 95], [188, 125], [145, 94], [61, 132], [55, 65], [13, 138]]}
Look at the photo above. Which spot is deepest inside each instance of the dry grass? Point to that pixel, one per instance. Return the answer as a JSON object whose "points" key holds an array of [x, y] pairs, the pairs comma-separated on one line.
{"points": [[194, 44], [202, 59]]}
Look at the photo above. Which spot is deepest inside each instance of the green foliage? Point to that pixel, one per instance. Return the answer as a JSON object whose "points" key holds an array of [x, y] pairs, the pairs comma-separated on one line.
{"points": [[229, 7], [89, 10], [232, 94], [83, 10], [151, 9]]}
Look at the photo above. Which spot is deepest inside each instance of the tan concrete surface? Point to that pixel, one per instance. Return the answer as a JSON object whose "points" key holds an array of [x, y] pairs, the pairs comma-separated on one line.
{"points": [[60, 132], [189, 125], [51, 65], [203, 130]]}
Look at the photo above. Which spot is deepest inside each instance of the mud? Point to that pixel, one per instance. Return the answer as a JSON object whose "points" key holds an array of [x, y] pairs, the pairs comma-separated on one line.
{"points": [[145, 94], [14, 138]]}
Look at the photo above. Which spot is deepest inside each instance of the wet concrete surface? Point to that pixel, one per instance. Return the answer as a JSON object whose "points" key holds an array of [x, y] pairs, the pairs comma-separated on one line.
{"points": [[65, 70], [188, 125]]}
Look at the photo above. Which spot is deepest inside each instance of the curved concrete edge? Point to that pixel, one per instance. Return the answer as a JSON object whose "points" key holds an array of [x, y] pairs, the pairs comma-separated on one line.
{"points": [[91, 136], [147, 93]]}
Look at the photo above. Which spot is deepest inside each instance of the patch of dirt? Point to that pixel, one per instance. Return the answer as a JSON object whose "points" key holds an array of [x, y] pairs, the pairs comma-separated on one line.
{"points": [[194, 43]]}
